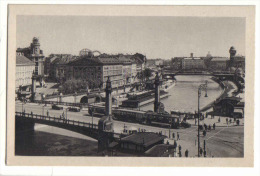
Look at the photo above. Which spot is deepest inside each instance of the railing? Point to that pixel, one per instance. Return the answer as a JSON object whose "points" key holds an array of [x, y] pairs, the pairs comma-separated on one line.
{"points": [[57, 120], [61, 103]]}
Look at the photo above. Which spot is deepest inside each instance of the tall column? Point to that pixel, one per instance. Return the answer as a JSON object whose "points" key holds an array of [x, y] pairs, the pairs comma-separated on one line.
{"points": [[108, 98], [33, 88], [157, 93]]}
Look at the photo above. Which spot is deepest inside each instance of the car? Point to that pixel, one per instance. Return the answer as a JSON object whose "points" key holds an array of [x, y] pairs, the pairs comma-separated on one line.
{"points": [[56, 107], [74, 109]]}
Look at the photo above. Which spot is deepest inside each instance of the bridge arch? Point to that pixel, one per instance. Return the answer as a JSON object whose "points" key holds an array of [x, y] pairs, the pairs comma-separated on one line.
{"points": [[91, 99]]}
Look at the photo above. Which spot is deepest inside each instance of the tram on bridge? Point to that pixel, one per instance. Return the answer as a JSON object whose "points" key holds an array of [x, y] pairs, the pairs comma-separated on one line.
{"points": [[142, 117]]}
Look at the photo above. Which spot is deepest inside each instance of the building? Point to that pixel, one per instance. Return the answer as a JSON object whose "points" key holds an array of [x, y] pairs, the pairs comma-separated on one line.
{"points": [[236, 61], [140, 61], [218, 64], [35, 54], [97, 70], [126, 68], [141, 142], [24, 71], [47, 65], [177, 63], [228, 106], [59, 67], [191, 63]]}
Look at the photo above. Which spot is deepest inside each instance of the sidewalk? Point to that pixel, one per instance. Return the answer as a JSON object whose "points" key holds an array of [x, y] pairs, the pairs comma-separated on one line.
{"points": [[222, 123]]}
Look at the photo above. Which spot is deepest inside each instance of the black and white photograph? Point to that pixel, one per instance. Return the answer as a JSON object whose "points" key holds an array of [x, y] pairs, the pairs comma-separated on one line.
{"points": [[130, 86], [146, 85]]}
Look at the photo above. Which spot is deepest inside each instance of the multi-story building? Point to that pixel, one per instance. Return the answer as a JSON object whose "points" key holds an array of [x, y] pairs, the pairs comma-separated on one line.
{"points": [[190, 63], [140, 61], [59, 67], [24, 71], [126, 69], [97, 69], [218, 64], [35, 54]]}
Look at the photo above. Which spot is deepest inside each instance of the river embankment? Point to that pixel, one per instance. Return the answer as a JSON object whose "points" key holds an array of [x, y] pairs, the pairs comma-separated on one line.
{"points": [[228, 88]]}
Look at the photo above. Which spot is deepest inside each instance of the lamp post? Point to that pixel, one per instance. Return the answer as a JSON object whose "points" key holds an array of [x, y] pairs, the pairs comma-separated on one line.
{"points": [[202, 87], [43, 110]]}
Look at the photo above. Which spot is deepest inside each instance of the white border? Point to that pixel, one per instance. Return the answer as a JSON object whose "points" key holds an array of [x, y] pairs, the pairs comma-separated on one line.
{"points": [[8, 170]]}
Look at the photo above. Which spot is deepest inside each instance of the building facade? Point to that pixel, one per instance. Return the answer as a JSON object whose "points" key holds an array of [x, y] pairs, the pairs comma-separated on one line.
{"points": [[219, 64], [24, 71], [190, 63], [35, 54], [97, 70]]}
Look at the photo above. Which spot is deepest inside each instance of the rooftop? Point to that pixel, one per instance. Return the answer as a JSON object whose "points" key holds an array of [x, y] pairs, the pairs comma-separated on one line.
{"points": [[220, 59], [145, 138], [22, 60]]}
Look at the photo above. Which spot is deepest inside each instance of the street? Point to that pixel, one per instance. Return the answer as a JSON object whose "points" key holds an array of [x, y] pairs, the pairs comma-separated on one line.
{"points": [[224, 141]]}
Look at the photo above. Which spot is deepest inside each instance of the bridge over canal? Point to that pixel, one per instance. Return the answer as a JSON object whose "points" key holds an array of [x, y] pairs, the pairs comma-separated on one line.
{"points": [[26, 121]]}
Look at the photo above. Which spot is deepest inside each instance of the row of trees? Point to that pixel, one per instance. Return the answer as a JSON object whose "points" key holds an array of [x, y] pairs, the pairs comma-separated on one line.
{"points": [[78, 85], [145, 74]]}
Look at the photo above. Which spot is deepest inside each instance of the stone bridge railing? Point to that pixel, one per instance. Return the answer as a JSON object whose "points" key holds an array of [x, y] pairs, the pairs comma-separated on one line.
{"points": [[84, 128]]}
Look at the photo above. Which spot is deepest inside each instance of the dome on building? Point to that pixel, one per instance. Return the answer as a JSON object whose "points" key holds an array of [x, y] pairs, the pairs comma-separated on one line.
{"points": [[35, 40], [85, 52], [209, 55], [232, 48]]}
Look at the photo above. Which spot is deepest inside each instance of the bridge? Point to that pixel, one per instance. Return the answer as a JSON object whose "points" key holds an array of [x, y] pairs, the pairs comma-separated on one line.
{"points": [[221, 75], [25, 122]]}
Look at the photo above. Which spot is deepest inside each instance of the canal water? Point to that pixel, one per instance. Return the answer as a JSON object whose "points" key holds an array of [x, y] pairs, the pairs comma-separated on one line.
{"points": [[52, 141], [184, 95]]}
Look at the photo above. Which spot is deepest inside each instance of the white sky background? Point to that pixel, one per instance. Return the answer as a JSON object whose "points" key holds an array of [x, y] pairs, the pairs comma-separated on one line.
{"points": [[156, 37]]}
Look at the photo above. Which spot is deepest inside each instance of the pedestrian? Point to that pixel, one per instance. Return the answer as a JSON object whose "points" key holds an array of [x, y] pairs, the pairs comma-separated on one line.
{"points": [[214, 126], [47, 113], [178, 136], [227, 120], [209, 127], [186, 153], [238, 122], [205, 127], [201, 151], [195, 121], [230, 120], [180, 154], [219, 120], [204, 133], [205, 153], [179, 148], [167, 143], [175, 144], [173, 135]]}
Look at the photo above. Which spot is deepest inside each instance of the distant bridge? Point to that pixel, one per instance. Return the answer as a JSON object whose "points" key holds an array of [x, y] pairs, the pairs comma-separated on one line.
{"points": [[26, 121]]}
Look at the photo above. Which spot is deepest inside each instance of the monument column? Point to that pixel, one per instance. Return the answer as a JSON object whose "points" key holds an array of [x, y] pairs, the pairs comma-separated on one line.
{"points": [[33, 88], [157, 93], [105, 124]]}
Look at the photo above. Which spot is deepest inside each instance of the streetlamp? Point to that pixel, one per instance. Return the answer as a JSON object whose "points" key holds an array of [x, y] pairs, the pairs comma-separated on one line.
{"points": [[43, 110], [202, 87]]}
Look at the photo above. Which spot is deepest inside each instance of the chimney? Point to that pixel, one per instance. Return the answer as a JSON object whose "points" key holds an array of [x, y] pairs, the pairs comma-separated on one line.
{"points": [[191, 55]]}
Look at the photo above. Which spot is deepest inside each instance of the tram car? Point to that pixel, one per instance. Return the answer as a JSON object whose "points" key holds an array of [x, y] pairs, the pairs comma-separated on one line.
{"points": [[142, 117]]}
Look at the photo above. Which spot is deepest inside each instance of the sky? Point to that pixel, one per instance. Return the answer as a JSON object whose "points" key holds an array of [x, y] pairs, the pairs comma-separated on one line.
{"points": [[155, 37]]}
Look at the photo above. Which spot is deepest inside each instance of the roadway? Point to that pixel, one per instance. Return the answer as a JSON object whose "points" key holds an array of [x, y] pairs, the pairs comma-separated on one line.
{"points": [[225, 141]]}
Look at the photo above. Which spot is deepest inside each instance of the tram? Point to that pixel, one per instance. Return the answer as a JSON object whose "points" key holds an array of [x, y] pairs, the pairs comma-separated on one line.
{"points": [[142, 117]]}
